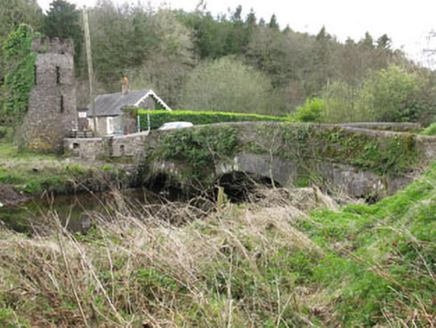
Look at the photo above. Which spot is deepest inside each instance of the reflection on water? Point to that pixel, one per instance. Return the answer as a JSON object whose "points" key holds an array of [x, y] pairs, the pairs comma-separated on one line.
{"points": [[72, 210]]}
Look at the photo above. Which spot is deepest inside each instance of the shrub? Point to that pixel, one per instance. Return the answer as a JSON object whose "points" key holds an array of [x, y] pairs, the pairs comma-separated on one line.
{"points": [[310, 112], [430, 130], [159, 117]]}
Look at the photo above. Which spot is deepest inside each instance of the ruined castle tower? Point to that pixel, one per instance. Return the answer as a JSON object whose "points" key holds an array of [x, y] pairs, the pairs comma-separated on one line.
{"points": [[52, 110]]}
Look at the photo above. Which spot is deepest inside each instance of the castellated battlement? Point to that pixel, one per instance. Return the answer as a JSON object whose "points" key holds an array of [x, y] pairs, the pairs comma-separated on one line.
{"points": [[54, 45]]}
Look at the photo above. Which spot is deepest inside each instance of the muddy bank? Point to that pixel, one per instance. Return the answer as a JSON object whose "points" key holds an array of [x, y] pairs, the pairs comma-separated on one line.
{"points": [[9, 196]]}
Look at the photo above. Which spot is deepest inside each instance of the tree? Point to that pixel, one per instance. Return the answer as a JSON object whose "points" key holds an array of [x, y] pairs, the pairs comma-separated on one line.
{"points": [[384, 42], [16, 12], [235, 34], [250, 26], [12, 14], [63, 21], [340, 100], [323, 51], [273, 24], [122, 38], [171, 60], [227, 85], [389, 95], [268, 51], [173, 38], [209, 34], [367, 42]]}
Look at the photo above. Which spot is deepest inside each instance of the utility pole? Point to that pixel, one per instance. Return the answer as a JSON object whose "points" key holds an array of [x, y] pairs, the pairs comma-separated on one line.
{"points": [[90, 69]]}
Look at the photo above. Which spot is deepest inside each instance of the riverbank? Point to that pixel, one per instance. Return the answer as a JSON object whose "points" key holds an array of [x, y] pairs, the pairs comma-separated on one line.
{"points": [[292, 259], [26, 175]]}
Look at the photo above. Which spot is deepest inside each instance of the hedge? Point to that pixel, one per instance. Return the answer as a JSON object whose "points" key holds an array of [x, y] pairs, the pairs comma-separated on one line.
{"points": [[159, 117]]}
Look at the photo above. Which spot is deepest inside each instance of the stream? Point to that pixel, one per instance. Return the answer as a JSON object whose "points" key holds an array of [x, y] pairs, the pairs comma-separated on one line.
{"points": [[72, 210]]}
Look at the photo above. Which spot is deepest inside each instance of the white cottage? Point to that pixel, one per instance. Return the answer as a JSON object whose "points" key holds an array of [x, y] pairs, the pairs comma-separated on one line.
{"points": [[109, 114]]}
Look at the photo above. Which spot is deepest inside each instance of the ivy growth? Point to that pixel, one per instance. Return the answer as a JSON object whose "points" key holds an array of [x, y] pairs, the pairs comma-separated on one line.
{"points": [[20, 74], [198, 148], [306, 145], [309, 144]]}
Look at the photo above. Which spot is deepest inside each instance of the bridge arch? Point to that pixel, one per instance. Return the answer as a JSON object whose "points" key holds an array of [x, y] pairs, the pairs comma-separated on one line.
{"points": [[239, 185], [359, 159]]}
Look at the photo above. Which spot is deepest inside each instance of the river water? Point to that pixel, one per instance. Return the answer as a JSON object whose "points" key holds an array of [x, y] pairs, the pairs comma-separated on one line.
{"points": [[73, 211]]}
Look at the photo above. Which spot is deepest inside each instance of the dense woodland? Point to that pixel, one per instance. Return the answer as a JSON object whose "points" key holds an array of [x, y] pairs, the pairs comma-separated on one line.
{"points": [[233, 63]]}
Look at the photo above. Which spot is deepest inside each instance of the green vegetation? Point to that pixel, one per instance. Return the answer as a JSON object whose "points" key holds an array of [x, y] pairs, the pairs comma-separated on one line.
{"points": [[62, 20], [383, 263], [6, 133], [229, 85], [430, 130], [36, 173], [194, 60], [197, 149], [388, 95], [34, 178], [19, 74], [10, 153], [393, 155], [159, 117], [267, 264], [12, 14], [311, 111]]}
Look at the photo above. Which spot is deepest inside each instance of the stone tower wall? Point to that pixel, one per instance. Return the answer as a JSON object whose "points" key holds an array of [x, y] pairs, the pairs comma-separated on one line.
{"points": [[52, 112]]}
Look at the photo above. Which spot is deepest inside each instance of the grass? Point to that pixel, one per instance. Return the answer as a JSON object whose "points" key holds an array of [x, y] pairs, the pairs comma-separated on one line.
{"points": [[11, 153], [220, 271], [386, 255], [35, 173], [293, 259]]}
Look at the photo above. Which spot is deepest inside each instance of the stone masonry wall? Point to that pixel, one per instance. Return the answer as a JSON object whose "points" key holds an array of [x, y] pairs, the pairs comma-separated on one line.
{"points": [[352, 180], [52, 112], [131, 146]]}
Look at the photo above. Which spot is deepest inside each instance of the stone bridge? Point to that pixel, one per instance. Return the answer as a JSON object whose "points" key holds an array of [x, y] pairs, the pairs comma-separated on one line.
{"points": [[364, 159]]}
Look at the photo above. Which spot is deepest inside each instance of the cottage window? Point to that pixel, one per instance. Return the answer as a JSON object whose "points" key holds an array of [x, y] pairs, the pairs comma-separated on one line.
{"points": [[62, 104], [58, 75], [110, 125]]}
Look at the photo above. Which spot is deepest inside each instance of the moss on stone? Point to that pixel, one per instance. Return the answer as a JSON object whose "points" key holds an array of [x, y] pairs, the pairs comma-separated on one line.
{"points": [[390, 155], [196, 151]]}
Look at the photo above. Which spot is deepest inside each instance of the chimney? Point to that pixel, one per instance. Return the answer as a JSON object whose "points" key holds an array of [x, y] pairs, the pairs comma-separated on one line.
{"points": [[125, 88]]}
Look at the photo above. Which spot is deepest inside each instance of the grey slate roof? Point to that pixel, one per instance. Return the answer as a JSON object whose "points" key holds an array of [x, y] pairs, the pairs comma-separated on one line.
{"points": [[111, 104]]}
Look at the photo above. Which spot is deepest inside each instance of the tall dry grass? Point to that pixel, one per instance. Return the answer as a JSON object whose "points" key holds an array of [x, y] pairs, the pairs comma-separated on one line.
{"points": [[208, 270], [267, 263]]}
